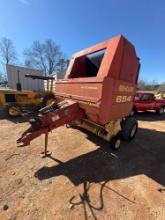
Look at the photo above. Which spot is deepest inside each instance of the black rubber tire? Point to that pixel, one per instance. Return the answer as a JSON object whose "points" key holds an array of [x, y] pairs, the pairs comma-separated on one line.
{"points": [[129, 129], [160, 111], [46, 98], [115, 142]]}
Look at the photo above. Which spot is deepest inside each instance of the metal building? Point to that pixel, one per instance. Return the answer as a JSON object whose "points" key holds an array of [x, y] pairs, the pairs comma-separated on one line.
{"points": [[16, 74]]}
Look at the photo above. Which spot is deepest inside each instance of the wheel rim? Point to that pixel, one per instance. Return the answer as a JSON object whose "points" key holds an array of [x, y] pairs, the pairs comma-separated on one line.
{"points": [[132, 112], [133, 131], [161, 110], [117, 144]]}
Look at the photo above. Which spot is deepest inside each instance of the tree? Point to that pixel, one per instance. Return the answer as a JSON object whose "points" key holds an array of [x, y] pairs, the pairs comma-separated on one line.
{"points": [[45, 56], [7, 51], [1, 76], [162, 88], [141, 84], [150, 86], [61, 67]]}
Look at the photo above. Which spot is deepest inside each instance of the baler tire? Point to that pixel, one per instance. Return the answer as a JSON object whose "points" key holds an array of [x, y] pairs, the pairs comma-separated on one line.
{"points": [[160, 111], [46, 98], [115, 142], [129, 129]]}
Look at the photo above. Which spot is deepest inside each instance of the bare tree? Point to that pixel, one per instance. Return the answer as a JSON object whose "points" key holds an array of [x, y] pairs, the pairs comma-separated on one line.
{"points": [[141, 84], [149, 86], [61, 67], [162, 88], [1, 76], [45, 56], [7, 51], [35, 56]]}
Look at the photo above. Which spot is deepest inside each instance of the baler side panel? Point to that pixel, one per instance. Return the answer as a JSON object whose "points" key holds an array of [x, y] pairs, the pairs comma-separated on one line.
{"points": [[117, 99], [113, 59], [130, 64], [89, 92]]}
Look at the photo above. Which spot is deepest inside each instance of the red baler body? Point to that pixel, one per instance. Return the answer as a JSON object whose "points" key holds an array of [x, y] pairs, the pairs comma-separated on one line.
{"points": [[99, 86], [108, 95]]}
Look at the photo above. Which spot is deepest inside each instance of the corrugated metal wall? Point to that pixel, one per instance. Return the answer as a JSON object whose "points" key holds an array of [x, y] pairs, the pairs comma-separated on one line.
{"points": [[26, 83]]}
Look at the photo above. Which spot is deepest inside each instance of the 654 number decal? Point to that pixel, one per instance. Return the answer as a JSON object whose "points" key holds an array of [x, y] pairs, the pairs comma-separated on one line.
{"points": [[122, 99]]}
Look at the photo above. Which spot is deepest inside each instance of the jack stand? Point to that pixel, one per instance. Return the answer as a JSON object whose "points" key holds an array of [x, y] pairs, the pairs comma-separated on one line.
{"points": [[46, 153]]}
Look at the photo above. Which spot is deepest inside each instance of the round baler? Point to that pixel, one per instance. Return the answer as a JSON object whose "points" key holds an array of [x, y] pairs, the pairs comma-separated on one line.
{"points": [[96, 94]]}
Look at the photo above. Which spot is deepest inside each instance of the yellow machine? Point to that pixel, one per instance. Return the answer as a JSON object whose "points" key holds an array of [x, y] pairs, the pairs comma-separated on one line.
{"points": [[160, 95], [17, 102]]}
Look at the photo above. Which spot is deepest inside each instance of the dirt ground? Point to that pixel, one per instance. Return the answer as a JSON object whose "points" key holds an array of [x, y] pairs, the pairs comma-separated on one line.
{"points": [[83, 179]]}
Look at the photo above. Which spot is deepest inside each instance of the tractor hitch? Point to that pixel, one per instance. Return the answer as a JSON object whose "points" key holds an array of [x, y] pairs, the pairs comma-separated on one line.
{"points": [[49, 118]]}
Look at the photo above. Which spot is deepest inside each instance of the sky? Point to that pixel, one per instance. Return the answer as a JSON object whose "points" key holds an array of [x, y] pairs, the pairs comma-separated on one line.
{"points": [[78, 24]]}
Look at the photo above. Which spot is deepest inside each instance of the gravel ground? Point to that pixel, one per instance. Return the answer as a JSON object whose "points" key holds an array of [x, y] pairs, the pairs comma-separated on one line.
{"points": [[83, 178]]}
